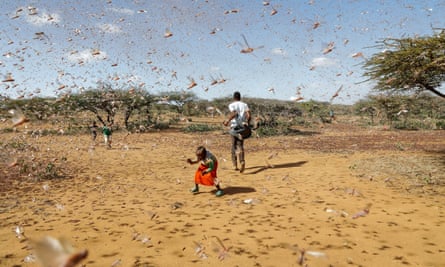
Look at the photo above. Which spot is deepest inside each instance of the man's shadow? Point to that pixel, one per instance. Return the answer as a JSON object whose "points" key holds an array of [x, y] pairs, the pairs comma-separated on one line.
{"points": [[275, 166], [231, 190]]}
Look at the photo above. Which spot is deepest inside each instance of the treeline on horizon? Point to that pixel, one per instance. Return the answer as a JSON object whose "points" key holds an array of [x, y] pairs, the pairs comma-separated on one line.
{"points": [[137, 110]]}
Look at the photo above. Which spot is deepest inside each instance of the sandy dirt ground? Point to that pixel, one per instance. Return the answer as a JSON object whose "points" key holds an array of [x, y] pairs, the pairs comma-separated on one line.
{"points": [[131, 205]]}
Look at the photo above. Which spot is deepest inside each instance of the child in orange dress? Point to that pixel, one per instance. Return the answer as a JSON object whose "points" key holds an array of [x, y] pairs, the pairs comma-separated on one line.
{"points": [[206, 172]]}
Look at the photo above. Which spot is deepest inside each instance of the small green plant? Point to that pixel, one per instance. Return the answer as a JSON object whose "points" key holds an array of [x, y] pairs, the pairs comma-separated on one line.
{"points": [[26, 161], [19, 145], [47, 171], [267, 131], [440, 124], [7, 130], [24, 167], [276, 129], [399, 146], [427, 180], [50, 168], [200, 128], [161, 125]]}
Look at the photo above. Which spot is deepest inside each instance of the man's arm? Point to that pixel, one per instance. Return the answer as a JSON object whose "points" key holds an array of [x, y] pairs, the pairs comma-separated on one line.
{"points": [[248, 116], [232, 115]]}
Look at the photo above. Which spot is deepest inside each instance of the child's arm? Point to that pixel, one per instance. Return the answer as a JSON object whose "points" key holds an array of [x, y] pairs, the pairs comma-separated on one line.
{"points": [[210, 166], [190, 161]]}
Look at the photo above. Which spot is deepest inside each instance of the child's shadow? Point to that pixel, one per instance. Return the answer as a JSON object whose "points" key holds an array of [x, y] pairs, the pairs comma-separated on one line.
{"points": [[232, 190]]}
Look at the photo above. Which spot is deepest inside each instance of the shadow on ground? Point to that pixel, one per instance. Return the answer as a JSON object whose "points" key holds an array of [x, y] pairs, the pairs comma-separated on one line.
{"points": [[232, 190], [258, 169]]}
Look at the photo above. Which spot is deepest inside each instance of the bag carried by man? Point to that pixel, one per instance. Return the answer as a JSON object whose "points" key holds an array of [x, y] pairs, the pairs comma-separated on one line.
{"points": [[244, 130]]}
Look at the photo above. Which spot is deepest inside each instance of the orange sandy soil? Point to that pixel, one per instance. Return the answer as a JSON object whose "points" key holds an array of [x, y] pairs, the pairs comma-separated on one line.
{"points": [[131, 205]]}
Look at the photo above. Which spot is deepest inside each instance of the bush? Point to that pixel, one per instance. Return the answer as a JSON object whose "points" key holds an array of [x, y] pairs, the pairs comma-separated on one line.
{"points": [[415, 124], [200, 128], [7, 130], [17, 145], [23, 160], [280, 128], [161, 125], [408, 125], [440, 125]]}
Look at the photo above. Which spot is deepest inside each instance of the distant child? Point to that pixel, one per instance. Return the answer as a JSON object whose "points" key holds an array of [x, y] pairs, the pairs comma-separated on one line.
{"points": [[93, 129], [206, 172], [332, 115], [106, 130]]}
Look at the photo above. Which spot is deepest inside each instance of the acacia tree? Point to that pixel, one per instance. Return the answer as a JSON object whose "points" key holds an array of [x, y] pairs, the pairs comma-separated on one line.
{"points": [[409, 64], [109, 101], [136, 100], [94, 101], [423, 111]]}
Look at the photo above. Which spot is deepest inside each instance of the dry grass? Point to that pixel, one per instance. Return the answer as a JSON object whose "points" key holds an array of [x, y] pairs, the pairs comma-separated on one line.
{"points": [[414, 173]]}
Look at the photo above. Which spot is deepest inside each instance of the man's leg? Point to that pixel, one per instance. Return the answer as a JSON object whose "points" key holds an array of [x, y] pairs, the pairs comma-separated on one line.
{"points": [[241, 154], [234, 157], [236, 133]]}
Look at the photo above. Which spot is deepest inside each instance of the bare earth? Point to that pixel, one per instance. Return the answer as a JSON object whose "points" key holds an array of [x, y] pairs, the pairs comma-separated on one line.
{"points": [[131, 206]]}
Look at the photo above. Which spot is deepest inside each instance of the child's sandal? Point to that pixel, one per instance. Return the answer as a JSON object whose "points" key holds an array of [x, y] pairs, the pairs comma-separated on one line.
{"points": [[194, 190], [219, 193]]}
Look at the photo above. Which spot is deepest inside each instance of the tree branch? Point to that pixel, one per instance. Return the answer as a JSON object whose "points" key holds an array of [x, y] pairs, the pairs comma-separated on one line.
{"points": [[434, 90]]}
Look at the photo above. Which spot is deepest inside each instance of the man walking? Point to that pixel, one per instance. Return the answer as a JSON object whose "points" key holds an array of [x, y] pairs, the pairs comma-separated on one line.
{"points": [[239, 120]]}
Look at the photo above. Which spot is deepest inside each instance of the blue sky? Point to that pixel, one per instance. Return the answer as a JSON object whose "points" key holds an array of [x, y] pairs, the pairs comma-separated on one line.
{"points": [[51, 48]]}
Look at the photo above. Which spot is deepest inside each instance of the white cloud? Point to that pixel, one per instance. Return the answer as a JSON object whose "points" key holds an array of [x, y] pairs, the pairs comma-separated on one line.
{"points": [[296, 98], [109, 28], [279, 51], [40, 19], [323, 62], [124, 11], [87, 55]]}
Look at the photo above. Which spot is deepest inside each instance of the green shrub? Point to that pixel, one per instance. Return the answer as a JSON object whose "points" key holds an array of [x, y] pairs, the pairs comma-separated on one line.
{"points": [[26, 161], [408, 125], [200, 128], [281, 128], [267, 131], [161, 125], [7, 130], [46, 132], [416, 124], [440, 124], [18, 145]]}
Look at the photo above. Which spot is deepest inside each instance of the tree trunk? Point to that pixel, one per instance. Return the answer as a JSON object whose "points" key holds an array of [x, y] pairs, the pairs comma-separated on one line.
{"points": [[127, 116], [100, 118]]}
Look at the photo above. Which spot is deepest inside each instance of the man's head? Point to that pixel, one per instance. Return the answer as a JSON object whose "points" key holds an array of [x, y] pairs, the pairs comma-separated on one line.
{"points": [[237, 96]]}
